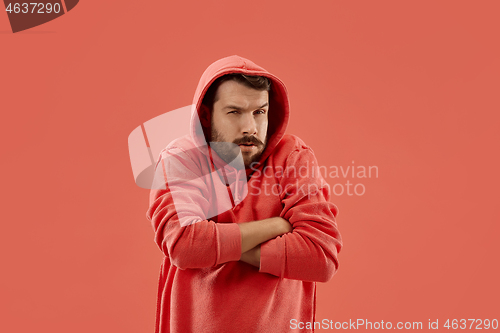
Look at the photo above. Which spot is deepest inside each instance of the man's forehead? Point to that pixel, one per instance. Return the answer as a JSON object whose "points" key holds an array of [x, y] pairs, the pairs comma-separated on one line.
{"points": [[236, 95]]}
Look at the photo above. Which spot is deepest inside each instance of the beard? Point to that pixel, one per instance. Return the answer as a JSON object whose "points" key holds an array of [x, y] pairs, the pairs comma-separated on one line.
{"points": [[228, 151]]}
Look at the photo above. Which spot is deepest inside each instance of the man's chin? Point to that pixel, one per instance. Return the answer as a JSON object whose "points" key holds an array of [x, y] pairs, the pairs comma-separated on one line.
{"points": [[229, 153], [250, 159]]}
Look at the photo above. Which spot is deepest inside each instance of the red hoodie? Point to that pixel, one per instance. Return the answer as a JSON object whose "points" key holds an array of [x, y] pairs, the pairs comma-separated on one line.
{"points": [[196, 205]]}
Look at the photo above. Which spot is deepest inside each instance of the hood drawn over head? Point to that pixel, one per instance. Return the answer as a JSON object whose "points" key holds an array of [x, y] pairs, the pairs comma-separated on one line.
{"points": [[278, 100]]}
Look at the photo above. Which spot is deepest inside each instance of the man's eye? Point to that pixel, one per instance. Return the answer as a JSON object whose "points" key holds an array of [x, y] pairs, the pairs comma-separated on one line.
{"points": [[261, 111], [234, 112]]}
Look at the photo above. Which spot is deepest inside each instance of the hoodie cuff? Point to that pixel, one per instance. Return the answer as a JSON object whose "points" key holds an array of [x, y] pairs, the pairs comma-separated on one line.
{"points": [[272, 257], [229, 242]]}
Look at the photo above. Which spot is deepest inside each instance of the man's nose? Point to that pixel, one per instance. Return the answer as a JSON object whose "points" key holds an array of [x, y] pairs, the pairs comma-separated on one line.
{"points": [[248, 125]]}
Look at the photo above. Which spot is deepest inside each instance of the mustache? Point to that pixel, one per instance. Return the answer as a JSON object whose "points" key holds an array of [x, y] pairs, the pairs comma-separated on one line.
{"points": [[248, 140]]}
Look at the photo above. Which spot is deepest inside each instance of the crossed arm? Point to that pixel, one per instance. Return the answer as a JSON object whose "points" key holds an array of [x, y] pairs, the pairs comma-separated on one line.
{"points": [[256, 232], [309, 253]]}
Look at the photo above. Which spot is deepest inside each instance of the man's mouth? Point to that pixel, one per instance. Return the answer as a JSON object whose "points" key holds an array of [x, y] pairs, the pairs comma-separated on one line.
{"points": [[248, 147]]}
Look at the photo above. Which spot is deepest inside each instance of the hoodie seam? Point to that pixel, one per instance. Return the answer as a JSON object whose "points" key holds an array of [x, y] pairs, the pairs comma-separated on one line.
{"points": [[296, 150]]}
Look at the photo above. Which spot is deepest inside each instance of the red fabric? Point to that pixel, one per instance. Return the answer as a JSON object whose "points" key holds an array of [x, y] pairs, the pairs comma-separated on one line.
{"points": [[202, 285]]}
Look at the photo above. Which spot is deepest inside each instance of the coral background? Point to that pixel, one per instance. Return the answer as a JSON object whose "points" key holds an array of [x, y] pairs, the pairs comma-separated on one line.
{"points": [[409, 87]]}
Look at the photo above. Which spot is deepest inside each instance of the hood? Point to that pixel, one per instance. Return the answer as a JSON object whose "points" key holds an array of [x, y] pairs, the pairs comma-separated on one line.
{"points": [[278, 101]]}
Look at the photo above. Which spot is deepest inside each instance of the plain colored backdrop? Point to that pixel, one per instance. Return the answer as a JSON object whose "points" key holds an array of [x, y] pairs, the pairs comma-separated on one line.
{"points": [[411, 87]]}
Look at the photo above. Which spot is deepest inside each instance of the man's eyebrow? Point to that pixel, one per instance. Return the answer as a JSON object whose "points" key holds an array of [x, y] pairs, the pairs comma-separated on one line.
{"points": [[235, 107]]}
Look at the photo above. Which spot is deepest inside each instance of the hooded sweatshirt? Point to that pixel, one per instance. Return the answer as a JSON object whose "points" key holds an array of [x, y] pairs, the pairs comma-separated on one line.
{"points": [[195, 207]]}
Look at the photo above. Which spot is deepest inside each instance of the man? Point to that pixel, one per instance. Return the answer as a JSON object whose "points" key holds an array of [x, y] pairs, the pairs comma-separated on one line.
{"points": [[245, 221]]}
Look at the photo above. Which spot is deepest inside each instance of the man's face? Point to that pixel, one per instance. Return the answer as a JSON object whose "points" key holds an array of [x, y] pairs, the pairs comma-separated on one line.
{"points": [[240, 116]]}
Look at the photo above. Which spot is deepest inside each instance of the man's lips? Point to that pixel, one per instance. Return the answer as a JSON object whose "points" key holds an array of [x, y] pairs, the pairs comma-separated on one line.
{"points": [[248, 147]]}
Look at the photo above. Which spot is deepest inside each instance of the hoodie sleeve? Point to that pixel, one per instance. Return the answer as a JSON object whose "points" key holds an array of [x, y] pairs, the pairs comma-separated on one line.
{"points": [[309, 252], [200, 242]]}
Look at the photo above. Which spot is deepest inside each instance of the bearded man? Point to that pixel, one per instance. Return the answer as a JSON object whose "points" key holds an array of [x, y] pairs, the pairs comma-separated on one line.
{"points": [[245, 222]]}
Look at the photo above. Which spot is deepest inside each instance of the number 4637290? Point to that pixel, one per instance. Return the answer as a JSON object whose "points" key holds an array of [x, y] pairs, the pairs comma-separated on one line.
{"points": [[33, 8]]}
